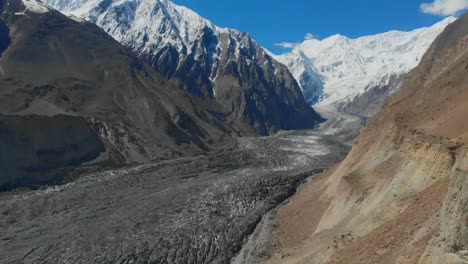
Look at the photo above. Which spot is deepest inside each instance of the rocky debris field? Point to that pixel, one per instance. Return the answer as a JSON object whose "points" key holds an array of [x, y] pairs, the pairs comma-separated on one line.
{"points": [[192, 210]]}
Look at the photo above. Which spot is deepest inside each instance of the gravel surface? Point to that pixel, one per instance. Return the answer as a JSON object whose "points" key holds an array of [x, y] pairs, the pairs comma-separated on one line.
{"points": [[192, 210]]}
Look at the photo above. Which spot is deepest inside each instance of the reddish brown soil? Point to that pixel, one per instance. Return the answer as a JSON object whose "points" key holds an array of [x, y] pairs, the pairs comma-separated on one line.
{"points": [[394, 241], [300, 217]]}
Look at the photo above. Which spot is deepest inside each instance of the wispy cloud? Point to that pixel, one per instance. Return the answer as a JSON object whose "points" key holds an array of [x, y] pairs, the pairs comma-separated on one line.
{"points": [[444, 7], [287, 45], [309, 36], [292, 45]]}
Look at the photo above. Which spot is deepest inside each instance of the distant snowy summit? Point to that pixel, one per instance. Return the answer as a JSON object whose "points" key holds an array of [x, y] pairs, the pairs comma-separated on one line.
{"points": [[338, 69]]}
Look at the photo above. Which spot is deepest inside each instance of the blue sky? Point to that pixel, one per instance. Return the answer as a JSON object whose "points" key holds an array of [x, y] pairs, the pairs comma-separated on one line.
{"points": [[275, 21]]}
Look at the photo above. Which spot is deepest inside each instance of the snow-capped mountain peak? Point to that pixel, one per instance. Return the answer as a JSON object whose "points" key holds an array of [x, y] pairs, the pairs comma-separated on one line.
{"points": [[347, 66], [208, 61], [142, 24], [150, 26]]}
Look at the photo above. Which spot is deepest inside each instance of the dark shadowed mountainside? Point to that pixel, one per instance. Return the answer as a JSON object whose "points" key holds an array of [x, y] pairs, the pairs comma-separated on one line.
{"points": [[52, 65], [212, 63]]}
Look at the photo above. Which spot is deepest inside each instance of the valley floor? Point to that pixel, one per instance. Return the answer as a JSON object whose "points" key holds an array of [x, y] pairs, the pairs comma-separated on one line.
{"points": [[192, 210], [345, 127]]}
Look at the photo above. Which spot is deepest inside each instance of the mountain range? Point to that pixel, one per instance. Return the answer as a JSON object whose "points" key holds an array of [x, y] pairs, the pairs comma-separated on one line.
{"points": [[210, 62], [357, 75], [167, 83], [351, 75], [70, 74]]}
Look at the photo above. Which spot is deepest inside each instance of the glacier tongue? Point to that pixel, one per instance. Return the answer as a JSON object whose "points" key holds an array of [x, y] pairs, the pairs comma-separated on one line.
{"points": [[343, 68]]}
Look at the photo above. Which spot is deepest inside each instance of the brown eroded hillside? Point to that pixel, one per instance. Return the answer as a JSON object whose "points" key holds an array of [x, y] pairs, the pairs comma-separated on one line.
{"points": [[401, 195]]}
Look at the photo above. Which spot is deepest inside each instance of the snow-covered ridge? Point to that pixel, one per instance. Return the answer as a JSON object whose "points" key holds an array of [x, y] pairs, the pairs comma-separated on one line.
{"points": [[145, 25], [347, 66], [154, 27], [223, 65], [34, 6]]}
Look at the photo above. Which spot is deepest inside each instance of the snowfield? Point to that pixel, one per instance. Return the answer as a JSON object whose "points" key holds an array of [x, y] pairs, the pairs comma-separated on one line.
{"points": [[33, 6], [339, 68]]}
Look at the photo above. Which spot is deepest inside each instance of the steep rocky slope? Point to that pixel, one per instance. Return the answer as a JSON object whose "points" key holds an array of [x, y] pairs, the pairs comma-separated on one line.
{"points": [[339, 70], [212, 63], [52, 65], [401, 195], [33, 146], [369, 101]]}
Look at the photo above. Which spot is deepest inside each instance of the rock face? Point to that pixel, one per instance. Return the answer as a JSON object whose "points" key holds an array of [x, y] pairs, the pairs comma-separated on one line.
{"points": [[53, 65], [339, 70], [400, 196], [367, 103], [306, 74], [33, 146], [212, 63]]}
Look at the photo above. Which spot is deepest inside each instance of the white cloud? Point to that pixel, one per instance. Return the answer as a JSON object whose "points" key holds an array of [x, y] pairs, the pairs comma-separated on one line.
{"points": [[292, 45], [444, 7], [309, 36], [287, 45]]}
